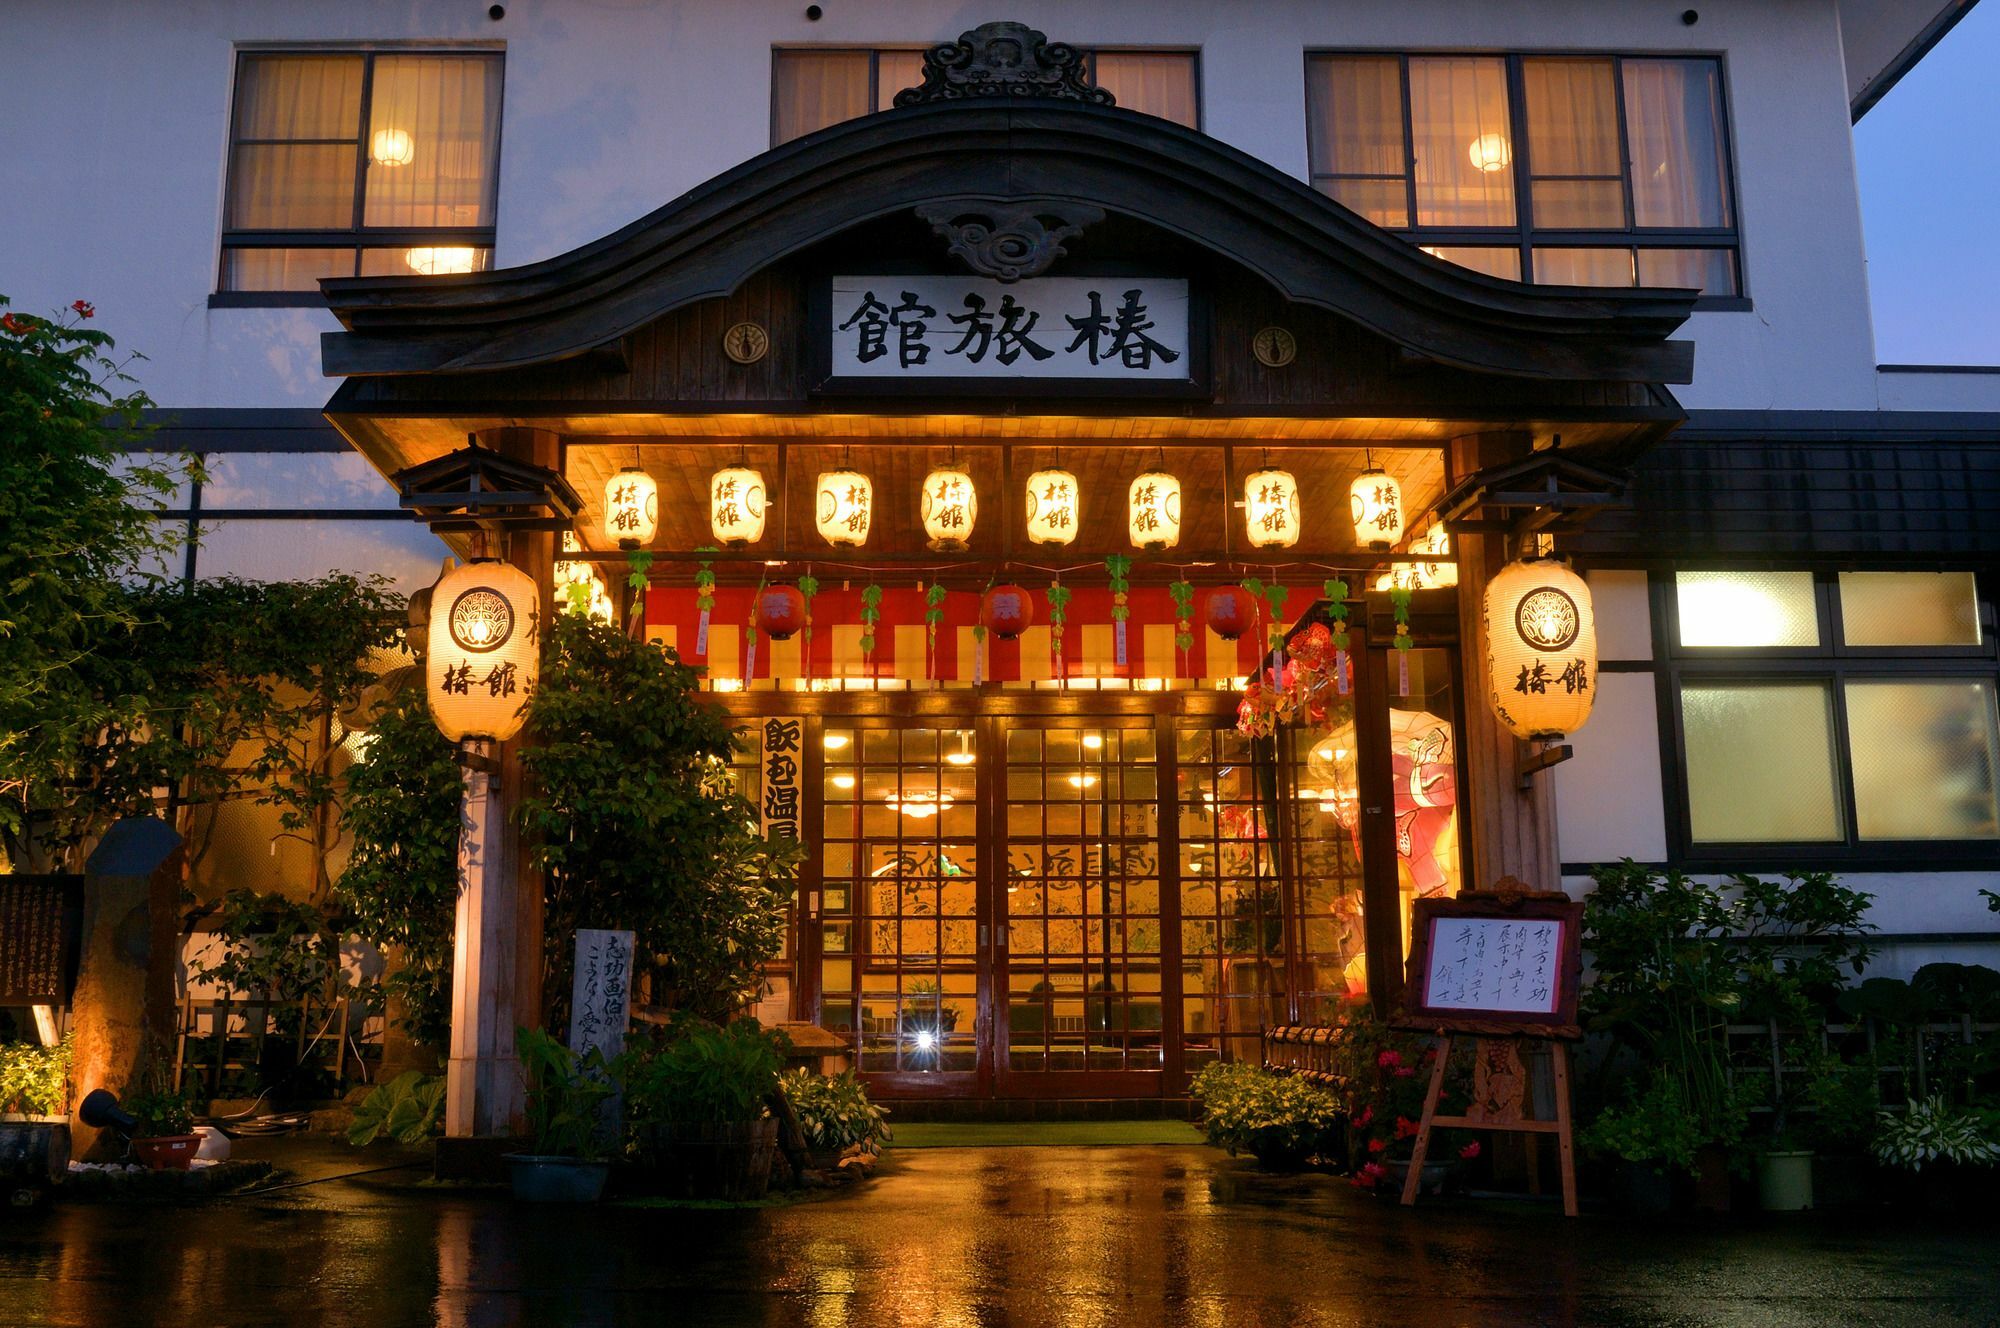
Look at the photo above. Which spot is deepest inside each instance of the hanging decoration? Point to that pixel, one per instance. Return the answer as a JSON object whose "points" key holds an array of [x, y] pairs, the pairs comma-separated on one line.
{"points": [[1541, 648], [1006, 610], [485, 650], [631, 508], [1257, 714], [979, 638], [750, 636], [1271, 509], [1376, 502], [1117, 568], [704, 599], [736, 506], [1058, 612], [1274, 595], [933, 616], [871, 613], [1399, 602], [845, 506], [1183, 597], [808, 587], [780, 611], [1307, 673], [950, 506], [1054, 504], [1153, 511], [1230, 611], [1335, 591]]}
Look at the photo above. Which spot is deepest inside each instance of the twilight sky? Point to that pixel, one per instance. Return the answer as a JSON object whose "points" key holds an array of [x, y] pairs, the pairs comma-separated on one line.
{"points": [[1929, 159]]}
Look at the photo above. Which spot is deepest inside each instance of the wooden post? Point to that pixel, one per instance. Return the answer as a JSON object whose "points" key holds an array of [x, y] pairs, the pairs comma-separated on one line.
{"points": [[1511, 832]]}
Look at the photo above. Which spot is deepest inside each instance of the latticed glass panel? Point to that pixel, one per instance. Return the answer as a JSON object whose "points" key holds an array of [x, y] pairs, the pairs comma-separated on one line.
{"points": [[1760, 762], [1747, 609], [1925, 754], [1909, 609]]}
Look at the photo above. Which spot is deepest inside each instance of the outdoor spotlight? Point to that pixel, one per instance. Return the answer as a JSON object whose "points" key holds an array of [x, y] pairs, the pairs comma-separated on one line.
{"points": [[100, 1110], [926, 1040]]}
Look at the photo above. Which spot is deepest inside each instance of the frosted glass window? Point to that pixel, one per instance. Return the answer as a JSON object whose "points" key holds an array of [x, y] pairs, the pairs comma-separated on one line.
{"points": [[1924, 758], [1909, 609], [1747, 609], [1760, 763]]}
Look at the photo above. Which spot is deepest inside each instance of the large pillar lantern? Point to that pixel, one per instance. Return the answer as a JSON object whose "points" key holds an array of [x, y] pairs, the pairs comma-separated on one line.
{"points": [[485, 650], [1541, 648]]}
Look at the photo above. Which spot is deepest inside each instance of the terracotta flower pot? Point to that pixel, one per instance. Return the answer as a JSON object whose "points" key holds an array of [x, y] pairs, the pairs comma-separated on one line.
{"points": [[167, 1152]]}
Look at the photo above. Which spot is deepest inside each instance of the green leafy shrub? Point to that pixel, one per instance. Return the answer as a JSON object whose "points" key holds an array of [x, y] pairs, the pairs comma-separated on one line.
{"points": [[1279, 1119], [566, 1096], [1933, 1130], [408, 1109], [834, 1111], [1654, 1126], [35, 1080], [701, 1074]]}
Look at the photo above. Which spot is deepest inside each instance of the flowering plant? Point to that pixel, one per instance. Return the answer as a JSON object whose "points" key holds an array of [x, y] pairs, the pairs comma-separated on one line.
{"points": [[1279, 1119]]}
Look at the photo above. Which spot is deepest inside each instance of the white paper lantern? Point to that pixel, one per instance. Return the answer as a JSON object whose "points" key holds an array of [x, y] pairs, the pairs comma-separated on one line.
{"points": [[736, 506], [845, 507], [1376, 502], [571, 571], [485, 650], [950, 506], [1153, 511], [1541, 648], [631, 508], [1437, 543], [1271, 509], [1054, 505]]}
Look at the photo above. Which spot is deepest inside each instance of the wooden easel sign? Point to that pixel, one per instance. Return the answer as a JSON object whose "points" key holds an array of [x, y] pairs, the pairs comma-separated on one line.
{"points": [[1502, 967]]}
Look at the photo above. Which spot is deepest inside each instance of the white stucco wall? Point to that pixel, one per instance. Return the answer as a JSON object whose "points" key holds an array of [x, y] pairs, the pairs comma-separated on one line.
{"points": [[112, 157]]}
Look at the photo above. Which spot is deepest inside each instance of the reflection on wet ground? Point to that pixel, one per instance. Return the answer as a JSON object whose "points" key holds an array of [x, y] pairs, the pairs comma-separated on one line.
{"points": [[1139, 1236]]}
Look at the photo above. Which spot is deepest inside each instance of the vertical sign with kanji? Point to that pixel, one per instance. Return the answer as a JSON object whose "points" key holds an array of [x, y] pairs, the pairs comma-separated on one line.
{"points": [[779, 766], [601, 993]]}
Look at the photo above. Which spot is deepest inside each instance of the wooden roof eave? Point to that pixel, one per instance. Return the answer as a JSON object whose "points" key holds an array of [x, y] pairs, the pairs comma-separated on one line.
{"points": [[707, 242]]}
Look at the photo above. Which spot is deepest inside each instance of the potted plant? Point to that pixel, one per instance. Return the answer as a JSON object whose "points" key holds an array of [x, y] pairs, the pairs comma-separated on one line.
{"points": [[1280, 1119], [1950, 1150], [1646, 1137], [164, 1139], [34, 1129], [699, 1105], [834, 1114], [566, 1161]]}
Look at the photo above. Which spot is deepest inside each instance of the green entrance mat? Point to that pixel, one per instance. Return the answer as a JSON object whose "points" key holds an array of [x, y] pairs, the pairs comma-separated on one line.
{"points": [[1041, 1134]]}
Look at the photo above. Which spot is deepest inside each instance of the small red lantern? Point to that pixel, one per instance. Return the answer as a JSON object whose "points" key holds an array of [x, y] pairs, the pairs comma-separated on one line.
{"points": [[1230, 612], [781, 611], [1006, 611]]}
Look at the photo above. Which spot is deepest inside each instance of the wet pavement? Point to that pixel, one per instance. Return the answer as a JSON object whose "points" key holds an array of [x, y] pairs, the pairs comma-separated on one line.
{"points": [[1028, 1236]]}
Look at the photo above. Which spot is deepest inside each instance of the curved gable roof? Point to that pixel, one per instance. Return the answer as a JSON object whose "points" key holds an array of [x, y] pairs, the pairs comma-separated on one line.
{"points": [[709, 240]]}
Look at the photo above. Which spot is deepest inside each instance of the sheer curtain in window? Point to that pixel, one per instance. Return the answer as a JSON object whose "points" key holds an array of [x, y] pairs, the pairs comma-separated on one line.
{"points": [[1151, 82], [1464, 144], [814, 89], [1673, 116], [1356, 105], [433, 139], [1573, 132], [278, 179], [894, 71]]}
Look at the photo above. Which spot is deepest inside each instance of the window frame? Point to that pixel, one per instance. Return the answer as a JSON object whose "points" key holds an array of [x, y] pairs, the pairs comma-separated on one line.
{"points": [[875, 53], [1833, 664], [1524, 237], [356, 236]]}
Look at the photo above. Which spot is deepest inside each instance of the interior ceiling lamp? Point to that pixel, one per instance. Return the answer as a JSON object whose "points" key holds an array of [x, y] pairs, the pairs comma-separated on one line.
{"points": [[440, 261], [1489, 152], [736, 506], [1271, 509], [1153, 511], [1541, 648], [1376, 502], [950, 507], [631, 508], [392, 147], [485, 650], [845, 505], [1054, 502]]}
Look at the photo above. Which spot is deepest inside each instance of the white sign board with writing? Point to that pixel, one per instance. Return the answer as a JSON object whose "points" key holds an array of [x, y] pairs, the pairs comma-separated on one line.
{"points": [[1104, 328], [600, 1003], [1494, 965]]}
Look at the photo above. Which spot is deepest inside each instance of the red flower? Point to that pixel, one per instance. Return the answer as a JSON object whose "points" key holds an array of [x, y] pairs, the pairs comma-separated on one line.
{"points": [[1367, 1114], [1405, 1127], [1430, 1054], [1470, 1151], [1378, 1145], [1374, 1170], [84, 307], [19, 325], [1389, 1060], [1404, 1072]]}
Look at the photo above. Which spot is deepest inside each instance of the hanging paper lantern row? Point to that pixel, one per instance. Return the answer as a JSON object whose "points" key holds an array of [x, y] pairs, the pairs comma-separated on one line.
{"points": [[1376, 503], [631, 508], [1153, 511], [845, 507], [1271, 509], [736, 506], [1054, 507], [485, 650], [1541, 648], [950, 506]]}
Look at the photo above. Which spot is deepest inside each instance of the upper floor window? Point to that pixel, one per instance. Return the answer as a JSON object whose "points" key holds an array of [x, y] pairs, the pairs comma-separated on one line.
{"points": [[1563, 170], [1833, 714], [813, 87], [359, 163]]}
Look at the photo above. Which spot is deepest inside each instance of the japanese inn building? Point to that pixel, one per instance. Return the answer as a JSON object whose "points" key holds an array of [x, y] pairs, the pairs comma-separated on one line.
{"points": [[1576, 277]]}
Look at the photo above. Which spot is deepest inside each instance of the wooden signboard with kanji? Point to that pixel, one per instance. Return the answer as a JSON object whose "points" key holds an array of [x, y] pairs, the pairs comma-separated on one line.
{"points": [[1502, 967]]}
